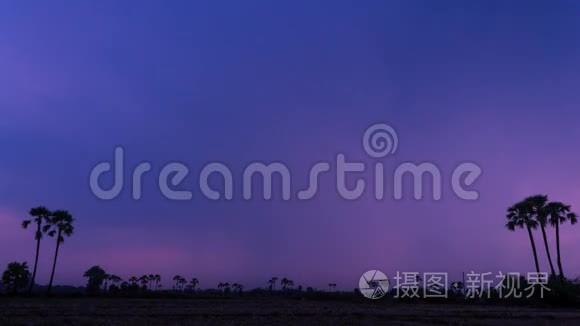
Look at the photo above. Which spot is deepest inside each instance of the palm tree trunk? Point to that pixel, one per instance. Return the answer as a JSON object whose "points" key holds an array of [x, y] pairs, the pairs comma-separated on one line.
{"points": [[35, 259], [54, 263], [558, 250], [534, 249], [547, 250]]}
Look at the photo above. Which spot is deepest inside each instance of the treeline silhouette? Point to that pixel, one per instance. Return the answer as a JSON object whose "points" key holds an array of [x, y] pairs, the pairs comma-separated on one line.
{"points": [[100, 282], [531, 213], [534, 211], [56, 224]]}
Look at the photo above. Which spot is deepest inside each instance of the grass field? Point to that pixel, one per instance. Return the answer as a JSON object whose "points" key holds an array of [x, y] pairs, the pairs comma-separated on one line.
{"points": [[118, 311]]}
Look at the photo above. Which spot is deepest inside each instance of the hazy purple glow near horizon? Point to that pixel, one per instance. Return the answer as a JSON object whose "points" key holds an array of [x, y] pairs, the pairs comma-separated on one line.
{"points": [[492, 82]]}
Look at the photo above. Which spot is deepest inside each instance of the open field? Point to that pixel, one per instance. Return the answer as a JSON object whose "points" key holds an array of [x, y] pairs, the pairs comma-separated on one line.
{"points": [[245, 311]]}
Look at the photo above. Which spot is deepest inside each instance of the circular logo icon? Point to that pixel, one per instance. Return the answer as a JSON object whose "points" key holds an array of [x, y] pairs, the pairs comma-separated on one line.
{"points": [[373, 284], [380, 140]]}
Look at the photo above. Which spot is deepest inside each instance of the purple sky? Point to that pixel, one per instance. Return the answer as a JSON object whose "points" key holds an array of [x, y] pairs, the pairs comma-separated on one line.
{"points": [[491, 82]]}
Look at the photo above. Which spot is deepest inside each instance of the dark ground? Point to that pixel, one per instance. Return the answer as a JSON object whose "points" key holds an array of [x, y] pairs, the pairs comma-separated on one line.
{"points": [[252, 311]]}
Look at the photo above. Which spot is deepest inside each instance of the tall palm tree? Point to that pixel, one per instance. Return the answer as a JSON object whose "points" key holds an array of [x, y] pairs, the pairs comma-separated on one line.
{"points": [[558, 214], [157, 278], [40, 216], [273, 280], [290, 284], [284, 283], [182, 282], [116, 280], [194, 282], [537, 204], [144, 281], [61, 224], [107, 278], [519, 216], [176, 279], [271, 284], [237, 287], [151, 280]]}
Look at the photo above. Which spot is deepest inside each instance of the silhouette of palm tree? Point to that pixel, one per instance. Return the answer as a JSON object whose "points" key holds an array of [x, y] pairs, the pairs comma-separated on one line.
{"points": [[151, 280], [157, 278], [106, 285], [220, 286], [290, 284], [237, 287], [133, 280], [286, 282], [537, 204], [558, 214], [144, 279], [194, 282], [182, 282], [519, 216], [332, 286], [116, 280], [96, 277], [175, 278], [40, 215], [16, 276], [61, 225], [272, 283], [177, 281]]}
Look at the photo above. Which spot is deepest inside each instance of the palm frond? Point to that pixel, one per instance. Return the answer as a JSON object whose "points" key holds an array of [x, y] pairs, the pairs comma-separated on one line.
{"points": [[511, 226], [573, 218]]}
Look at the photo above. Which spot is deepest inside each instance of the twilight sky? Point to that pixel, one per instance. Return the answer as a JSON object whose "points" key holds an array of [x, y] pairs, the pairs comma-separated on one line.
{"points": [[492, 82]]}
